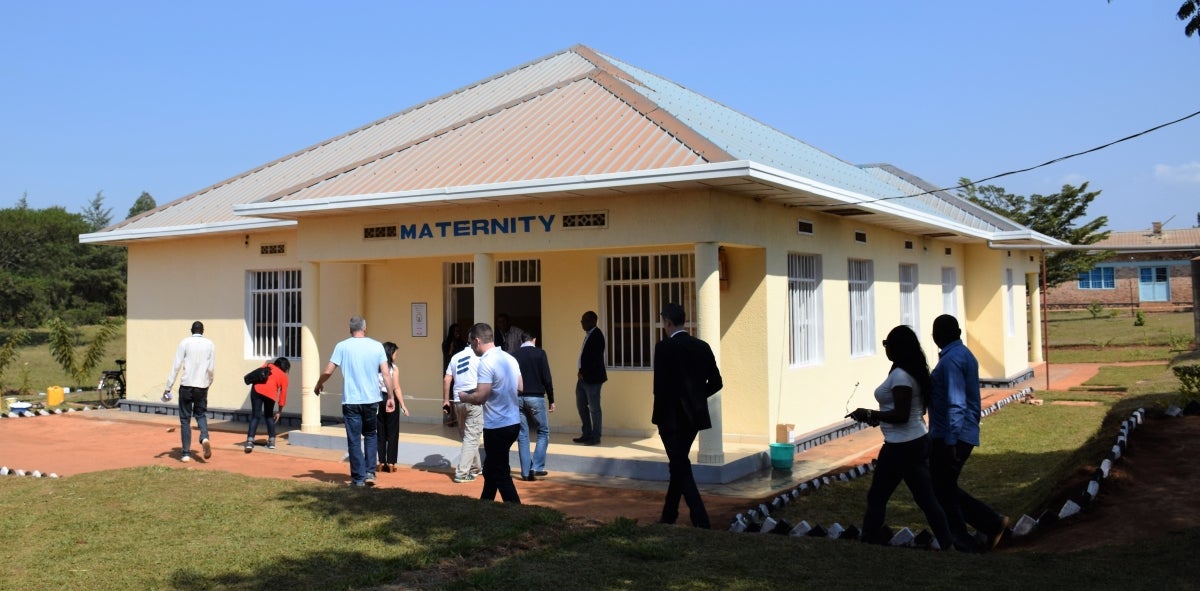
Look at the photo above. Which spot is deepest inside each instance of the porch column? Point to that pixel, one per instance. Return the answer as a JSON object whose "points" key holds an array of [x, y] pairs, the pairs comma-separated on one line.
{"points": [[708, 329], [485, 290], [310, 354], [1035, 317]]}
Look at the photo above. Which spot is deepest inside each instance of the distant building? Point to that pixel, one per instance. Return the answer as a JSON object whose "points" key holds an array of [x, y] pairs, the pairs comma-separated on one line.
{"points": [[1140, 276], [578, 182]]}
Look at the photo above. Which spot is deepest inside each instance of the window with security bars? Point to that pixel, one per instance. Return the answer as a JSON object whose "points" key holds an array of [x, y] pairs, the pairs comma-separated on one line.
{"points": [[274, 313], [635, 290], [862, 307], [804, 308], [1010, 299], [519, 272], [910, 306]]}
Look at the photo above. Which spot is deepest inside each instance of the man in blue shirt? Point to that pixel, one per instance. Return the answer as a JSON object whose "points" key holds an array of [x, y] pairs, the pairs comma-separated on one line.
{"points": [[362, 359], [954, 412]]}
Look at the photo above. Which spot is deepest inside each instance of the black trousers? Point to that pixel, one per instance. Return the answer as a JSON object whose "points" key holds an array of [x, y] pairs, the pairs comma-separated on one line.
{"points": [[961, 508], [497, 474], [678, 445], [908, 462], [388, 433]]}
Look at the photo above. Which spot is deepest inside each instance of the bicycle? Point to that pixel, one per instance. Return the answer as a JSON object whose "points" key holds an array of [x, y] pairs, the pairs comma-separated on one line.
{"points": [[111, 388]]}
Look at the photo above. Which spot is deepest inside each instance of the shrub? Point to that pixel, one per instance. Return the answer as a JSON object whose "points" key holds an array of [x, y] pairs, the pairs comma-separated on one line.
{"points": [[1189, 379], [1139, 318], [1095, 309]]}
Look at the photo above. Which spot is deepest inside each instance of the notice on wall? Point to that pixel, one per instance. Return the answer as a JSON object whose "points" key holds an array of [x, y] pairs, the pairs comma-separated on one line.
{"points": [[420, 319]]}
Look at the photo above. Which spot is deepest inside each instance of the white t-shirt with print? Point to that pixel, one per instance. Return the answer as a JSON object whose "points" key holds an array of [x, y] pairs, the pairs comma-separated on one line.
{"points": [[915, 427]]}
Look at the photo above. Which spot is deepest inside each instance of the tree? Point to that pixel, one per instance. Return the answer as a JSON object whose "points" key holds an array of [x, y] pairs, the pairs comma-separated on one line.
{"points": [[1189, 11], [144, 203], [1053, 215], [23, 202], [63, 339], [95, 214], [45, 271]]}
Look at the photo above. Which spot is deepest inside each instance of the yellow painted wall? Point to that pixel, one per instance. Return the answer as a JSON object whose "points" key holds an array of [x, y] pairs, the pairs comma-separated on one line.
{"points": [[173, 282]]}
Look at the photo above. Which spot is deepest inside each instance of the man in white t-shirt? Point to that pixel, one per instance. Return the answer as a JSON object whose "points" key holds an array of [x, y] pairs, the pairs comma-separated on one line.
{"points": [[362, 359], [461, 376], [499, 381], [196, 356]]}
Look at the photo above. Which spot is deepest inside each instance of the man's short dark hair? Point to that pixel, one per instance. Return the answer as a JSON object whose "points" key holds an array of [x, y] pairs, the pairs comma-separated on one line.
{"points": [[481, 331], [945, 327], [197, 327], [674, 312]]}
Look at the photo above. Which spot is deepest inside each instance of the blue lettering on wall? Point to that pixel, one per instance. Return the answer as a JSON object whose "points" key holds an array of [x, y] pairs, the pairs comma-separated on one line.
{"points": [[526, 224]]}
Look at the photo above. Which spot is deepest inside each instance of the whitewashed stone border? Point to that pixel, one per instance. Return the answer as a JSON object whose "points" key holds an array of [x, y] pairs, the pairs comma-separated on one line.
{"points": [[759, 519]]}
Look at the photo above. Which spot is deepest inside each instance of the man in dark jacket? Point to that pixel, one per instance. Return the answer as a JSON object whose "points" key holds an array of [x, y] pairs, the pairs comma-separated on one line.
{"points": [[685, 375], [532, 400], [592, 374]]}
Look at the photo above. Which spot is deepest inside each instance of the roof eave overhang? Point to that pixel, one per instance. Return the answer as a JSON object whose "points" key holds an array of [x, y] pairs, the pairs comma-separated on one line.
{"points": [[172, 232], [770, 184]]}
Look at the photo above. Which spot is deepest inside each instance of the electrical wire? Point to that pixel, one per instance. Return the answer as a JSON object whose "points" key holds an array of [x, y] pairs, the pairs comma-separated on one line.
{"points": [[1047, 163]]}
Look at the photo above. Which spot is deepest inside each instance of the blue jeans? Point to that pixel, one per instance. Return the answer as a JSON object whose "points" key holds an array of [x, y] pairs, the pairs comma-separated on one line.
{"points": [[193, 401], [533, 416], [587, 399], [361, 426]]}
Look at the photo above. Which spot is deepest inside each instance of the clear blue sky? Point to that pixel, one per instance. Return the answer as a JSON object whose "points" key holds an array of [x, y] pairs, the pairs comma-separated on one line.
{"points": [[170, 97]]}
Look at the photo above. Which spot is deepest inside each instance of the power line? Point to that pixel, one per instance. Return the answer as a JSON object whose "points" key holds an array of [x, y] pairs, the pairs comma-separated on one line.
{"points": [[1047, 163]]}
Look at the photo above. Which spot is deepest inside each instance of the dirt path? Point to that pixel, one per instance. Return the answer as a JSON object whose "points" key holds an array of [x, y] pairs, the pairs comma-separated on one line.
{"points": [[76, 443]]}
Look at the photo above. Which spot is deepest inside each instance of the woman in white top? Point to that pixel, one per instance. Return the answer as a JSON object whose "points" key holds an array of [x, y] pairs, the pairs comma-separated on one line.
{"points": [[902, 401]]}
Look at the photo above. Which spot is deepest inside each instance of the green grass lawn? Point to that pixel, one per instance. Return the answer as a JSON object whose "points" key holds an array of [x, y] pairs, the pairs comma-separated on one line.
{"points": [[1078, 328]]}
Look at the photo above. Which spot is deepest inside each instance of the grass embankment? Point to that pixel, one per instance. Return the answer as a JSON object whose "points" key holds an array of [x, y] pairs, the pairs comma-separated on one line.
{"points": [[34, 368], [1076, 337]]}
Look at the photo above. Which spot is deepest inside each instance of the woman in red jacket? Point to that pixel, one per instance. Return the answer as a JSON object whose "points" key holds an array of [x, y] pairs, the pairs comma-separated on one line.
{"points": [[262, 401]]}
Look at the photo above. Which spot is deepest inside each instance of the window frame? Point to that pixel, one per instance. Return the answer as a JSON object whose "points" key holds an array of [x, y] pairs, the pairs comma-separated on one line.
{"points": [[277, 295]]}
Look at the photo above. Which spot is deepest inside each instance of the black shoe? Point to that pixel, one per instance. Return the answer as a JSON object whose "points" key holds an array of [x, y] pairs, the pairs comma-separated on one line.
{"points": [[581, 439], [591, 442], [541, 473], [529, 478]]}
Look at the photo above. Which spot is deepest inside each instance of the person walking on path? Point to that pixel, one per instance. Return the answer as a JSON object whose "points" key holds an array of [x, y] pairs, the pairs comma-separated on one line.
{"points": [[389, 420], [538, 391], [263, 398], [954, 412], [592, 375], [499, 382], [462, 373], [685, 376], [196, 356], [903, 398], [362, 359]]}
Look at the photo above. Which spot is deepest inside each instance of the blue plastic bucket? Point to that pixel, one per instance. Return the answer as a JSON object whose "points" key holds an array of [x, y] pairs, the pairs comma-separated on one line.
{"points": [[782, 455]]}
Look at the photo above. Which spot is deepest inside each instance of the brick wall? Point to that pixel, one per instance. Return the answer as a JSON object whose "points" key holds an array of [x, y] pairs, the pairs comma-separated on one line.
{"points": [[1125, 294]]}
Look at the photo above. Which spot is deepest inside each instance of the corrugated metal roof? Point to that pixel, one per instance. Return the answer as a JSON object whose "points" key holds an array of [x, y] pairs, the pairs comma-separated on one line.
{"points": [[1168, 237], [215, 203], [938, 202], [578, 129], [568, 115], [748, 139]]}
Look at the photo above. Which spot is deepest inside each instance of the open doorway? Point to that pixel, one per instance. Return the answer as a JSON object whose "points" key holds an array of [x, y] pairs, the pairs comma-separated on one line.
{"points": [[518, 293]]}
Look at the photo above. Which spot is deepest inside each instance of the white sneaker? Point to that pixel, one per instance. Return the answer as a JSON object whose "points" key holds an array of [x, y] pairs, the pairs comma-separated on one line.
{"points": [[187, 457], [207, 448]]}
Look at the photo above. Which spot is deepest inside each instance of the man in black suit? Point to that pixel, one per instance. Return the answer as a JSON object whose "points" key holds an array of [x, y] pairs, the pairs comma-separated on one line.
{"points": [[685, 375], [592, 375]]}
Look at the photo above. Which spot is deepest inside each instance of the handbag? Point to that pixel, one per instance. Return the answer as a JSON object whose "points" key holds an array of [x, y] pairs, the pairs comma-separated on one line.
{"points": [[258, 376]]}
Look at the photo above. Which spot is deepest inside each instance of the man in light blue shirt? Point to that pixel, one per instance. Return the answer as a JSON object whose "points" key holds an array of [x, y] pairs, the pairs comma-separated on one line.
{"points": [[362, 359], [954, 412]]}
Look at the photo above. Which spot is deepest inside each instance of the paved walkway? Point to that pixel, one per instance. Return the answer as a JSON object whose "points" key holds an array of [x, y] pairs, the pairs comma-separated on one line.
{"points": [[90, 441]]}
